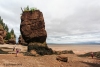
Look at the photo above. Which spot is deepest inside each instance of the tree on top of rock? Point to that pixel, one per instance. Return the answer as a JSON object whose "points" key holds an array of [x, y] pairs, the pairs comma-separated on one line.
{"points": [[12, 31], [5, 27], [1, 27], [29, 9], [8, 36], [12, 34]]}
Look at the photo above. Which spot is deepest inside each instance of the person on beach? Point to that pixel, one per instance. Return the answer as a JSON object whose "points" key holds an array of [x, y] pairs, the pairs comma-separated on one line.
{"points": [[17, 51], [92, 55]]}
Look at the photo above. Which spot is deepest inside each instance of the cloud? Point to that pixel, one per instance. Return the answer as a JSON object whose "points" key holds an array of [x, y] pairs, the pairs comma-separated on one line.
{"points": [[65, 19], [70, 39]]}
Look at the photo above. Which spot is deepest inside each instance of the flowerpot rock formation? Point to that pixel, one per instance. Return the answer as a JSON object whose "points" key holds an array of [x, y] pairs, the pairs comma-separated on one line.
{"points": [[32, 29]]}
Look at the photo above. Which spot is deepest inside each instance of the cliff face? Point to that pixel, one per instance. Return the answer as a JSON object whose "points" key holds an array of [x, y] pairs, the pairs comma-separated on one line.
{"points": [[33, 27], [2, 34]]}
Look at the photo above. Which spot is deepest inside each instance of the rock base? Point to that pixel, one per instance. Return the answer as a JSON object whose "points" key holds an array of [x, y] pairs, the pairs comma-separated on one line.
{"points": [[40, 48]]}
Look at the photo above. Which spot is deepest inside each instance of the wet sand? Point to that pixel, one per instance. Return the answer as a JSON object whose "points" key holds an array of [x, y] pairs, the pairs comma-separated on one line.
{"points": [[9, 60], [77, 49]]}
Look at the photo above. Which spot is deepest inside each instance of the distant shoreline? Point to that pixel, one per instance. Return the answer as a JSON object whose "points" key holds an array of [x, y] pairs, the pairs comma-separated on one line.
{"points": [[71, 44], [77, 49]]}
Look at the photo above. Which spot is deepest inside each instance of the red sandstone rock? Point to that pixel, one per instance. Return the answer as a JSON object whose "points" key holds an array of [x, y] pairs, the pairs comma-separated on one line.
{"points": [[1, 40], [33, 27], [12, 41], [62, 58], [21, 41], [2, 34]]}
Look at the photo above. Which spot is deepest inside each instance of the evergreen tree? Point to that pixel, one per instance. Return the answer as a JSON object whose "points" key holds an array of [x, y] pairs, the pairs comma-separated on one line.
{"points": [[6, 28], [1, 21], [8, 36], [12, 31]]}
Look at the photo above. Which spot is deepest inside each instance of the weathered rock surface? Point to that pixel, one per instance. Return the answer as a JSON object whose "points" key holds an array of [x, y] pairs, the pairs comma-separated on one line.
{"points": [[33, 31], [2, 34], [12, 41], [21, 40], [62, 58], [41, 50], [63, 52], [1, 40], [33, 27]]}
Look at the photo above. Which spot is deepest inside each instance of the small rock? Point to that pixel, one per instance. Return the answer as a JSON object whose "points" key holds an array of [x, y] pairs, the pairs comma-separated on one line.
{"points": [[62, 58]]}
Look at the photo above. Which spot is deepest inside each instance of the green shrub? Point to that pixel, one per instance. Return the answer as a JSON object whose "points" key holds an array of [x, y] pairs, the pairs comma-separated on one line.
{"points": [[29, 9]]}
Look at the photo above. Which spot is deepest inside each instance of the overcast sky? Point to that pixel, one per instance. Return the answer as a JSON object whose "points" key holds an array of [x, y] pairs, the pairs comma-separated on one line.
{"points": [[66, 21]]}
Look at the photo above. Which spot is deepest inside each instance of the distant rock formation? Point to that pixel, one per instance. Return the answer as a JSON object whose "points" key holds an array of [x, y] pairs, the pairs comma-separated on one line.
{"points": [[2, 34], [21, 41], [12, 40], [33, 31], [6, 36]]}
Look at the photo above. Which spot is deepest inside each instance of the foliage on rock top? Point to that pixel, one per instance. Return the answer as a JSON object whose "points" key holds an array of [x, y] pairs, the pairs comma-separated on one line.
{"points": [[29, 9]]}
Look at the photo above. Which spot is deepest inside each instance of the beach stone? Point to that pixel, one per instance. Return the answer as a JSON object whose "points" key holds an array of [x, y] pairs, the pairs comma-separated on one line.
{"points": [[62, 58]]}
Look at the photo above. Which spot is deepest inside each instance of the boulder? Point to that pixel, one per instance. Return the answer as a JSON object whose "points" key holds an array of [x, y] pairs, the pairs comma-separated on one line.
{"points": [[62, 58]]}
